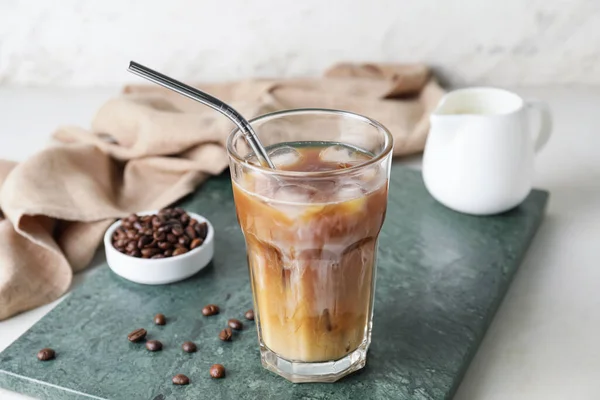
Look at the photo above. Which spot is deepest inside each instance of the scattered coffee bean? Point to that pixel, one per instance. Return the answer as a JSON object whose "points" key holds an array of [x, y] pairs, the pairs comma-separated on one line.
{"points": [[181, 379], [159, 319], [169, 233], [210, 309], [189, 347], [46, 354], [217, 371], [249, 315], [154, 345], [235, 324], [226, 334], [137, 335]]}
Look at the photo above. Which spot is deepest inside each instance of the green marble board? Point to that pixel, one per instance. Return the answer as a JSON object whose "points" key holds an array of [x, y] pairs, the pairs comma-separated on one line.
{"points": [[440, 280]]}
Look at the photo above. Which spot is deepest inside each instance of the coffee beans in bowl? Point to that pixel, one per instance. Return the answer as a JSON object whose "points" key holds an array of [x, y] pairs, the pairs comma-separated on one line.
{"points": [[159, 247], [169, 233]]}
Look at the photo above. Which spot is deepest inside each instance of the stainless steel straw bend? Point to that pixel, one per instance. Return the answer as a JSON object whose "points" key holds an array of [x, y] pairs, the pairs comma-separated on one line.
{"points": [[212, 102]]}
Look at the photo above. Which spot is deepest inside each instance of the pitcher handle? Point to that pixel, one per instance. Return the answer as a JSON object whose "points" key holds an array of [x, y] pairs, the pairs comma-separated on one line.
{"points": [[546, 123]]}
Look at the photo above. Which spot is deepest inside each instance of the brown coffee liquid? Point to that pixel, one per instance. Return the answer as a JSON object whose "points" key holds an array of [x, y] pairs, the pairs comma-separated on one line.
{"points": [[311, 246]]}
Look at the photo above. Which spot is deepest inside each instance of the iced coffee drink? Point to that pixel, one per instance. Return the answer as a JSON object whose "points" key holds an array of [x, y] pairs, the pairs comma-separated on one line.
{"points": [[311, 235]]}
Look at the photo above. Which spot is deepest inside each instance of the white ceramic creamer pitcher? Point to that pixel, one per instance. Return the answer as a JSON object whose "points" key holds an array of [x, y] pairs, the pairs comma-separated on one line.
{"points": [[479, 153]]}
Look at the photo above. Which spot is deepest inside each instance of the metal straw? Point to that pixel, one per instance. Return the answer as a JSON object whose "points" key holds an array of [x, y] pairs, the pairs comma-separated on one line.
{"points": [[212, 102]]}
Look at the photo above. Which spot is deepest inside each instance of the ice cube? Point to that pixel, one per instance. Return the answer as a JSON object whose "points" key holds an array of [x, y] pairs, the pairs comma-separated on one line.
{"points": [[349, 191], [337, 154], [285, 156], [295, 193]]}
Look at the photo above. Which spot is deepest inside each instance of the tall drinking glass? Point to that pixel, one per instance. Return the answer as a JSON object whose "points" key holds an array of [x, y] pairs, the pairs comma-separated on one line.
{"points": [[311, 229]]}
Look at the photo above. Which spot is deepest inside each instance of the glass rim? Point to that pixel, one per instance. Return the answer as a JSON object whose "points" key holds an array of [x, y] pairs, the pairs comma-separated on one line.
{"points": [[387, 148]]}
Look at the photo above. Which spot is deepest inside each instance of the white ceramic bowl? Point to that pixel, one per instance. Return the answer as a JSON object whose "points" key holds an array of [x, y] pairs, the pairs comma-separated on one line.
{"points": [[162, 270]]}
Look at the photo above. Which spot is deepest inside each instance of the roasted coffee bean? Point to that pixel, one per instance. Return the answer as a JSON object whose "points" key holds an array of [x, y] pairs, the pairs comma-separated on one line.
{"points": [[159, 236], [177, 230], [235, 324], [210, 309], [184, 240], [171, 238], [178, 251], [120, 244], [132, 217], [249, 315], [168, 253], [226, 334], [159, 319], [217, 371], [46, 354], [135, 253], [143, 241], [147, 231], [131, 246], [138, 225], [153, 243], [184, 218], [149, 252], [189, 347], [156, 221], [137, 335], [164, 228], [202, 229], [196, 243], [157, 256], [191, 232], [154, 345], [178, 210], [193, 222], [181, 379], [131, 234], [126, 223], [164, 245]]}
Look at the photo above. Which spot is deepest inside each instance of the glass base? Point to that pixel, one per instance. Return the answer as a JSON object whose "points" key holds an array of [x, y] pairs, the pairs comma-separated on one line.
{"points": [[304, 372]]}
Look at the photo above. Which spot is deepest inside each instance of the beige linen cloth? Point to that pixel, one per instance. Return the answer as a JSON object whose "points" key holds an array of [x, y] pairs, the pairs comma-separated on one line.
{"points": [[150, 147]]}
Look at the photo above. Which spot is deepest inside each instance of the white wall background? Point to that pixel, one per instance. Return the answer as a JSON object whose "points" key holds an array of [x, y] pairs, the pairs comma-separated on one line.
{"points": [[504, 42]]}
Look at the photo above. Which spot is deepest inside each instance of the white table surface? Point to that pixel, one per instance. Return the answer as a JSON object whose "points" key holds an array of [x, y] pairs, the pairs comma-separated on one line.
{"points": [[544, 341]]}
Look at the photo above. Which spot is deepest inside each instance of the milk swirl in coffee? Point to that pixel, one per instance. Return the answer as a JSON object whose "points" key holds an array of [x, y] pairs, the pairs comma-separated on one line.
{"points": [[312, 247]]}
